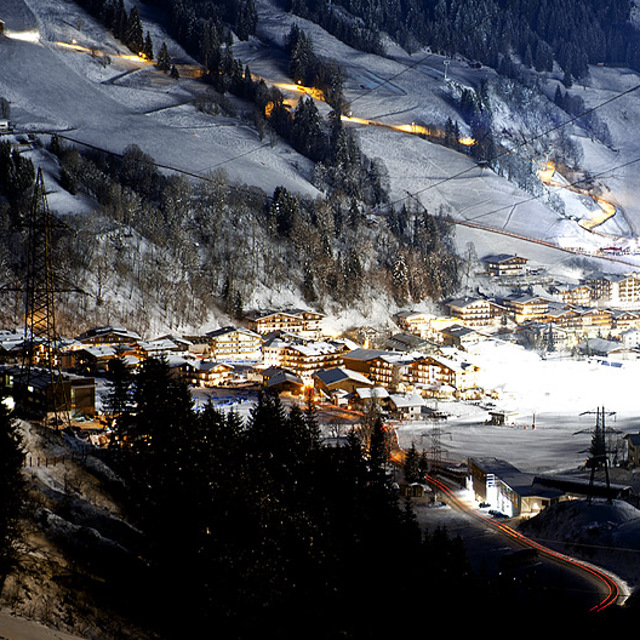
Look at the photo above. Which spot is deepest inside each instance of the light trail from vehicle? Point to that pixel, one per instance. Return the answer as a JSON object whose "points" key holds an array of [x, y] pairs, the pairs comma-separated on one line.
{"points": [[611, 587]]}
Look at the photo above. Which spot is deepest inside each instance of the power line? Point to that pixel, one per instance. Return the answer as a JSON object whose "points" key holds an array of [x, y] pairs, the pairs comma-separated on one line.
{"points": [[524, 143], [537, 197], [449, 44]]}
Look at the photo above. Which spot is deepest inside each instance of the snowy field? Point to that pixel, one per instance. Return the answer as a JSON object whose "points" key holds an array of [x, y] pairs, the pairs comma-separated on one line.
{"points": [[556, 395], [112, 105]]}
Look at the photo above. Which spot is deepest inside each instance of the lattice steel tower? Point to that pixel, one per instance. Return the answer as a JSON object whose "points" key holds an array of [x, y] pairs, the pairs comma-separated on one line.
{"points": [[41, 376]]}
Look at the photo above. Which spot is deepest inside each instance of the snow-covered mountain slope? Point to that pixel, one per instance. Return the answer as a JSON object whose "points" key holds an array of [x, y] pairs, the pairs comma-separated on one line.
{"points": [[112, 102]]}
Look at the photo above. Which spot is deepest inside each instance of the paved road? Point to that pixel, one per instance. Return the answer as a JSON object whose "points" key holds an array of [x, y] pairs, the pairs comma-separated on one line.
{"points": [[583, 587]]}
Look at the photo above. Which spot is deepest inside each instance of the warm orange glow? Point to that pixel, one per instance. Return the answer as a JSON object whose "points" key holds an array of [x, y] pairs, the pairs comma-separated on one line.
{"points": [[607, 209], [547, 172], [356, 120], [268, 109], [100, 54], [413, 129], [613, 591], [316, 94], [73, 47]]}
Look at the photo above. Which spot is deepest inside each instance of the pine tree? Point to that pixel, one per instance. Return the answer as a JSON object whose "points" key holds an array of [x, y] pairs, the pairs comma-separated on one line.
{"points": [[148, 47], [12, 491], [411, 465], [119, 399], [164, 60], [133, 36]]}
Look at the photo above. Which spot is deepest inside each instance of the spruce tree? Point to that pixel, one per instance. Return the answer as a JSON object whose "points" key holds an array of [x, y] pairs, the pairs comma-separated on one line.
{"points": [[164, 59], [133, 36], [412, 465], [12, 491], [148, 47]]}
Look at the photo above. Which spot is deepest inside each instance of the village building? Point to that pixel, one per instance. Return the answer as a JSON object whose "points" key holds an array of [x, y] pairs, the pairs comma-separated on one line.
{"points": [[11, 346], [525, 307], [505, 264], [301, 321], [415, 322], [207, 373], [506, 489], [405, 342], [180, 342], [43, 395], [157, 348], [431, 372], [365, 397], [633, 449], [593, 321], [474, 312], [616, 289], [329, 381], [303, 360], [94, 359], [406, 406], [460, 336], [609, 351], [110, 335], [581, 295], [425, 325], [361, 359], [547, 336], [563, 316], [283, 381], [388, 371], [235, 345], [502, 417], [624, 320], [630, 338]]}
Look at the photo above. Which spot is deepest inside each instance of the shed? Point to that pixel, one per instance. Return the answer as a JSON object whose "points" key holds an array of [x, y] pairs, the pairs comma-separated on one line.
{"points": [[502, 418]]}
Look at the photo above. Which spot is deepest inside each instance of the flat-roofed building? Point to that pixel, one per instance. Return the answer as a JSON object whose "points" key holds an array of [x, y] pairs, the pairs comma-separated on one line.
{"points": [[507, 489]]}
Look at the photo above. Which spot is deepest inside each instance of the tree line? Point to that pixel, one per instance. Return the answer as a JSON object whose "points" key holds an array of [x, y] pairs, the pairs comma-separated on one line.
{"points": [[573, 33], [329, 248], [258, 526]]}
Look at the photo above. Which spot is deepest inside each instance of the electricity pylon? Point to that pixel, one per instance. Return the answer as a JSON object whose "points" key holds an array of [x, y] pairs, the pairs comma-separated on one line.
{"points": [[599, 455], [41, 355]]}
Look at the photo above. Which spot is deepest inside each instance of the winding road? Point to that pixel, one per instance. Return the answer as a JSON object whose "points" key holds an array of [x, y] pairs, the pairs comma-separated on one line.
{"points": [[609, 590]]}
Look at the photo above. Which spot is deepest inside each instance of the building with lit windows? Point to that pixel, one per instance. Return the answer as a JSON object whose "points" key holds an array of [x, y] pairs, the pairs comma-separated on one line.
{"points": [[301, 321], [505, 264], [474, 312], [238, 345], [508, 490]]}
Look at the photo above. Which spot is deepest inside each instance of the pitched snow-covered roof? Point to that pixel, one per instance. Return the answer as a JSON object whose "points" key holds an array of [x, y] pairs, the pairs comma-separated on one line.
{"points": [[338, 374], [406, 400]]}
